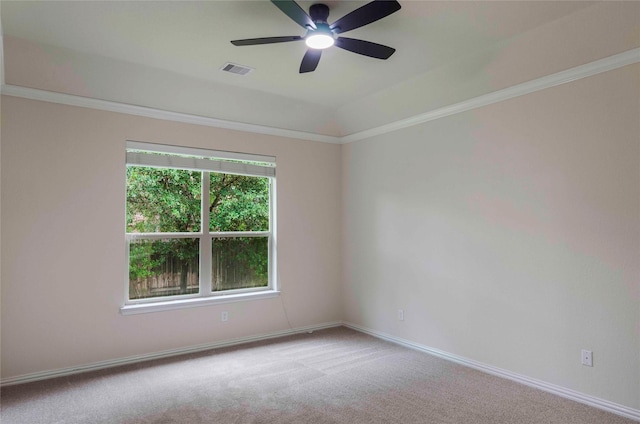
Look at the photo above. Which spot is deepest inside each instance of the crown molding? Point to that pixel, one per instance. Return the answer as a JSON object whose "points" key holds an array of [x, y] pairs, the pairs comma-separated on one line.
{"points": [[610, 63], [106, 105], [593, 68]]}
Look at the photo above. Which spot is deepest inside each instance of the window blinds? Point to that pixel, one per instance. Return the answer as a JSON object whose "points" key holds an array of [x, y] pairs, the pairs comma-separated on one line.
{"points": [[166, 156]]}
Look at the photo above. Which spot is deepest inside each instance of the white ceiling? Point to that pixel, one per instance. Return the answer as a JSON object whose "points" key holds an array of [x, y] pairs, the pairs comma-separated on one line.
{"points": [[192, 40]]}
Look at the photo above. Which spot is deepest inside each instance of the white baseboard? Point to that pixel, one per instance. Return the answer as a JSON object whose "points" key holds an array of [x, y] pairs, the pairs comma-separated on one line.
{"points": [[593, 401], [62, 372]]}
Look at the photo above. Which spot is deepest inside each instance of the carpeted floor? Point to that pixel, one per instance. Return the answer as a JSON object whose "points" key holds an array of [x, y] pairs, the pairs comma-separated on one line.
{"points": [[331, 376]]}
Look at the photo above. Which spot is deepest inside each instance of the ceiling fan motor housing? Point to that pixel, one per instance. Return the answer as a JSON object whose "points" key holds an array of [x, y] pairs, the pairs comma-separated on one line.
{"points": [[319, 13]]}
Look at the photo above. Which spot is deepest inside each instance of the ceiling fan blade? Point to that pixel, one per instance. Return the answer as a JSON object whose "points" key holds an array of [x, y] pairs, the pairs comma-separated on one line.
{"points": [[265, 40], [295, 12], [366, 48], [364, 15], [310, 60]]}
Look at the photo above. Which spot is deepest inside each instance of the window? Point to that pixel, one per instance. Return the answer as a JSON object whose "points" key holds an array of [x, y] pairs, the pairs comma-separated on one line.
{"points": [[199, 227]]}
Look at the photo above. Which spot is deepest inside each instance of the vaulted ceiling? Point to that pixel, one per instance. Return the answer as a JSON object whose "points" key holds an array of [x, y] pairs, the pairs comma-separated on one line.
{"points": [[168, 55]]}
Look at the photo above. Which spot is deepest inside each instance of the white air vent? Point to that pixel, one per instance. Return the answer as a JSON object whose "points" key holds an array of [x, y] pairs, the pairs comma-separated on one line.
{"points": [[236, 69]]}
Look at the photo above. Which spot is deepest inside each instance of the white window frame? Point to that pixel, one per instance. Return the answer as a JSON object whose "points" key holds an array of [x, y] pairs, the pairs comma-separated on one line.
{"points": [[205, 161]]}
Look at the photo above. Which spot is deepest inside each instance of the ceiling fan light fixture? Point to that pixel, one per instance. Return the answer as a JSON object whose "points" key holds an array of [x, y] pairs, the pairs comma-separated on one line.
{"points": [[320, 38], [319, 41]]}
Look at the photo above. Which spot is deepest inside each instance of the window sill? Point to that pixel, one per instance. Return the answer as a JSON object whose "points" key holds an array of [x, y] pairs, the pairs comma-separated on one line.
{"points": [[143, 308]]}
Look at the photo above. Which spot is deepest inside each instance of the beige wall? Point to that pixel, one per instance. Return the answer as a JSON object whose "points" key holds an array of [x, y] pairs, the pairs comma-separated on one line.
{"points": [[63, 192], [510, 234]]}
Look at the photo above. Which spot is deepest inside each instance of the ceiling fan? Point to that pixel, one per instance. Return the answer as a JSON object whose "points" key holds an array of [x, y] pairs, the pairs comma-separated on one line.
{"points": [[321, 35]]}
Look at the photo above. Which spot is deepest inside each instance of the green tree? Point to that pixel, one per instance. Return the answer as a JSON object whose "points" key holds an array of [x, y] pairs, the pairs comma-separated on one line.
{"points": [[163, 200], [238, 203]]}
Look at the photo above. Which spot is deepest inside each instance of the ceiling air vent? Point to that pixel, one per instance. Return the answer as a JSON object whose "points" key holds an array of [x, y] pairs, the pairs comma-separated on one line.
{"points": [[236, 69]]}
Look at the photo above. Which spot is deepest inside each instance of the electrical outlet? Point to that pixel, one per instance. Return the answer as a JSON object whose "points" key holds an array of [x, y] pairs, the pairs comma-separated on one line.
{"points": [[586, 358], [224, 316], [400, 315]]}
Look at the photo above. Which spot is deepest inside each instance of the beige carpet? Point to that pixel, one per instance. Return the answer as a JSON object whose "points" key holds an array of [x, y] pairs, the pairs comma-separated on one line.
{"points": [[331, 376]]}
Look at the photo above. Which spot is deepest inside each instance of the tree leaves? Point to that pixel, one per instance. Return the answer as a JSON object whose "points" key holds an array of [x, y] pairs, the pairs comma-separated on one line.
{"points": [[239, 203], [163, 200]]}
